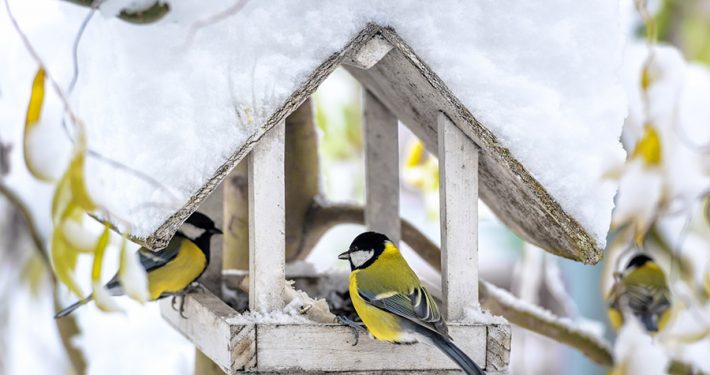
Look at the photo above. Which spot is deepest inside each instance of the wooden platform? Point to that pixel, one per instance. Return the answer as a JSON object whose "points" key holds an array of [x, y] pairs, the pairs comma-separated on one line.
{"points": [[237, 346]]}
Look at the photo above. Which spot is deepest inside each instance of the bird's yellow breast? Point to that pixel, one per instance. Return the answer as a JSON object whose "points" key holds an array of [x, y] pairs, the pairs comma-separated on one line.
{"points": [[390, 273], [177, 274], [381, 324]]}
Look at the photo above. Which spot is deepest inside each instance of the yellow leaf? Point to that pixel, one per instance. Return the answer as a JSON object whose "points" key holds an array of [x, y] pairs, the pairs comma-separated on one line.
{"points": [[415, 156], [648, 148], [64, 261], [34, 110], [102, 297], [99, 251], [80, 195]]}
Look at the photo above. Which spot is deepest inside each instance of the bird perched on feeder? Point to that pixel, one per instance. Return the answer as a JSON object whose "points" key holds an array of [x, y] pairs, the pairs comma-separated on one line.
{"points": [[642, 291], [391, 302], [172, 270]]}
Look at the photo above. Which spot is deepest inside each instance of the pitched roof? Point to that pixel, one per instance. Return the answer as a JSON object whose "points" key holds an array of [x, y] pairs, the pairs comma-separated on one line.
{"points": [[541, 102]]}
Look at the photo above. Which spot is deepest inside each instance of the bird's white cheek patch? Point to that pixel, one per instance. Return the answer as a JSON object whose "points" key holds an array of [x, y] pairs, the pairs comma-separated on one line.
{"points": [[361, 256]]}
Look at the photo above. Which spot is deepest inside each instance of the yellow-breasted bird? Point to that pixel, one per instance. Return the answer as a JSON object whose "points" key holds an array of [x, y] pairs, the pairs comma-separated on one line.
{"points": [[391, 302], [171, 270], [642, 291]]}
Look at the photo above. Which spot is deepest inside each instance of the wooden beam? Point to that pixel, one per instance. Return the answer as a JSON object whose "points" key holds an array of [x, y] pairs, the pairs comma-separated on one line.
{"points": [[366, 56], [267, 233], [381, 168], [458, 197]]}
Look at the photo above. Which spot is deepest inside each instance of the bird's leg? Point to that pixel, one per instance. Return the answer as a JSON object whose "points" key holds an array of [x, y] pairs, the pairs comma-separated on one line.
{"points": [[355, 326], [181, 294]]}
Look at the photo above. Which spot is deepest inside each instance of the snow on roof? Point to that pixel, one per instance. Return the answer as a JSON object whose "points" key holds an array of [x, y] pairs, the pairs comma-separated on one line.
{"points": [[541, 76]]}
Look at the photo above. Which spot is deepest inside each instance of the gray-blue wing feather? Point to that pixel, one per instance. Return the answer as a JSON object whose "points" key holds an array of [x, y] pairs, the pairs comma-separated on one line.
{"points": [[418, 307]]}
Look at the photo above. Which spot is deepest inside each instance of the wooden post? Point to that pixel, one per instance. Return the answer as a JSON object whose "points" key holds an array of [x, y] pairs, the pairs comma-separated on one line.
{"points": [[267, 236], [381, 168], [458, 197]]}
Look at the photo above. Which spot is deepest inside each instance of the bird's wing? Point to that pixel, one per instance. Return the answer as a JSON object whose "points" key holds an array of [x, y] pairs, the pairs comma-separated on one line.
{"points": [[151, 260], [417, 306]]}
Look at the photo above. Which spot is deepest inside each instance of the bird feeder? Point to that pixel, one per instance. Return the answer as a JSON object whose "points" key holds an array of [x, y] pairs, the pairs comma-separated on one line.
{"points": [[398, 86]]}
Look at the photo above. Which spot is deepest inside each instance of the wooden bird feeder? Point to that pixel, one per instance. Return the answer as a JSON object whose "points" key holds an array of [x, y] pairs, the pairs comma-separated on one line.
{"points": [[398, 85]]}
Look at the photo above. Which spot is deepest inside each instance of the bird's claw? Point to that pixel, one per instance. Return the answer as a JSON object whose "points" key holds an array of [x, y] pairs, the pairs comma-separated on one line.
{"points": [[190, 289], [354, 326]]}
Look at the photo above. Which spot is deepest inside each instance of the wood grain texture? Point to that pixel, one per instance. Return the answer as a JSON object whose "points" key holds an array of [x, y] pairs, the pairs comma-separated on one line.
{"points": [[267, 226], [329, 348], [323, 348], [381, 168], [207, 327], [458, 207], [368, 54]]}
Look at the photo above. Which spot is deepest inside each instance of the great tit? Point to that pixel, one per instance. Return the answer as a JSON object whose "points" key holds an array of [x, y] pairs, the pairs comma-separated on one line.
{"points": [[171, 270], [642, 291], [391, 302]]}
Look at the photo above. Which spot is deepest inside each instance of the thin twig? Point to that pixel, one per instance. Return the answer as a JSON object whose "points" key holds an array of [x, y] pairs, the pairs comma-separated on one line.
{"points": [[212, 19]]}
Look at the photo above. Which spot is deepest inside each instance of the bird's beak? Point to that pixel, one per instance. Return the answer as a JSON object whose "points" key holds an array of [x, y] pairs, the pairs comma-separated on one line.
{"points": [[216, 230], [345, 255]]}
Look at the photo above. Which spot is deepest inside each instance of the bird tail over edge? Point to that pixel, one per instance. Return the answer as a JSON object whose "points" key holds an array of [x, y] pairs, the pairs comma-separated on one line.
{"points": [[73, 307], [452, 351]]}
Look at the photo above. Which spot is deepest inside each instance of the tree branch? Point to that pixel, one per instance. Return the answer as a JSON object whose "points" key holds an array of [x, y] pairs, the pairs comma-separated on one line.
{"points": [[67, 327], [323, 216]]}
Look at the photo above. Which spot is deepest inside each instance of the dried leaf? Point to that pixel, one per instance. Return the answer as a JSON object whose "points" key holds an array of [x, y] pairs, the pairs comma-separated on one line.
{"points": [[132, 274], [648, 148], [34, 111]]}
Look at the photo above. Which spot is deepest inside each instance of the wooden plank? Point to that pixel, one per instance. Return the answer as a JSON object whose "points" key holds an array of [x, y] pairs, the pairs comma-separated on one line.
{"points": [[381, 168], [207, 327], [366, 56], [458, 205], [267, 233], [329, 348]]}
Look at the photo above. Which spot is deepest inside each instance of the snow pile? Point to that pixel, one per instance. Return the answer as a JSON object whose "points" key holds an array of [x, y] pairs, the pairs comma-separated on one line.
{"points": [[635, 352], [476, 315], [176, 110]]}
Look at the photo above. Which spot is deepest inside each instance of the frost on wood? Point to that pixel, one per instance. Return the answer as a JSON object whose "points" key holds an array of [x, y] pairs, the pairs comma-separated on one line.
{"points": [[556, 106]]}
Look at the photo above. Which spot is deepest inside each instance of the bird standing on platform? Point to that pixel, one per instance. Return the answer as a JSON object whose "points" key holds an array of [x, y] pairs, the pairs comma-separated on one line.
{"points": [[391, 302], [172, 270], [642, 290]]}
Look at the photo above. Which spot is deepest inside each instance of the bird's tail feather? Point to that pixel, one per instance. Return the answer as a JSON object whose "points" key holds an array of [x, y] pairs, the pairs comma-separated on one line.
{"points": [[452, 351], [73, 307]]}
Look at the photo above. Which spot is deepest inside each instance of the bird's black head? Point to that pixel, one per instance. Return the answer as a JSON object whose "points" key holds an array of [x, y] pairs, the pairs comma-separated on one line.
{"points": [[638, 260], [202, 221], [365, 249]]}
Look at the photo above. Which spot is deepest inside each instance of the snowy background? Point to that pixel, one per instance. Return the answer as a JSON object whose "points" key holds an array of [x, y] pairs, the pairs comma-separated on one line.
{"points": [[556, 95]]}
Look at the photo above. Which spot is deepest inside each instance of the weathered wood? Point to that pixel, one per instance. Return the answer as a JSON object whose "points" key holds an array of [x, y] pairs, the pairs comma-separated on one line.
{"points": [[207, 327], [413, 92], [221, 333], [458, 205], [267, 234], [381, 168], [366, 56], [329, 348], [498, 347], [235, 211]]}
